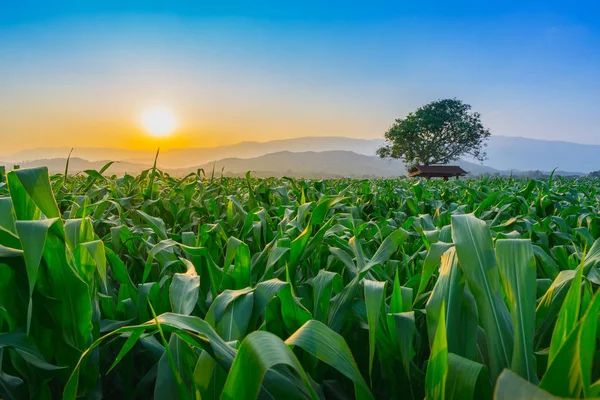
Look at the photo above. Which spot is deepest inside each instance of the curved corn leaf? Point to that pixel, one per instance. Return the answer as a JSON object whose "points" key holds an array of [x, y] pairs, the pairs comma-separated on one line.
{"points": [[184, 289], [331, 348], [569, 372], [510, 386], [461, 312], [437, 366], [259, 352], [568, 317], [466, 379], [374, 295], [517, 269], [475, 252]]}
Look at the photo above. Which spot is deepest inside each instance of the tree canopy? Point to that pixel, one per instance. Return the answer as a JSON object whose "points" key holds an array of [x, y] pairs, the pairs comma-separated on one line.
{"points": [[437, 133]]}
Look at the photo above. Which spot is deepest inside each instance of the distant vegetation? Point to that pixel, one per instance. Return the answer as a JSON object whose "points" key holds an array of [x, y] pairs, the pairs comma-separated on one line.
{"points": [[151, 286]]}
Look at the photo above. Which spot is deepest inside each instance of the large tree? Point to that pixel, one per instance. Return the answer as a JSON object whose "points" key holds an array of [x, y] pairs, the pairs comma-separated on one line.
{"points": [[437, 133]]}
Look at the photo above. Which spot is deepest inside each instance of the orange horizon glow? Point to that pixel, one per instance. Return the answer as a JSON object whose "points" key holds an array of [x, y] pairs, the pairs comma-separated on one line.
{"points": [[79, 125]]}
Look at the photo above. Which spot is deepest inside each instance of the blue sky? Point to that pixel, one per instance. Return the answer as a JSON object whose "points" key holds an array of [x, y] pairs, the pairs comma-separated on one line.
{"points": [[78, 73], [309, 10]]}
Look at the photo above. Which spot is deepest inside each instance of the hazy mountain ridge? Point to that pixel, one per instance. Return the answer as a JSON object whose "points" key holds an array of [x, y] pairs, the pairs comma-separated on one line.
{"points": [[182, 158], [505, 154], [323, 164], [522, 154], [304, 164], [77, 165], [91, 154]]}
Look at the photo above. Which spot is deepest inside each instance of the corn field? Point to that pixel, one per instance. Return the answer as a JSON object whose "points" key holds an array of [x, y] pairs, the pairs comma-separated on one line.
{"points": [[229, 288]]}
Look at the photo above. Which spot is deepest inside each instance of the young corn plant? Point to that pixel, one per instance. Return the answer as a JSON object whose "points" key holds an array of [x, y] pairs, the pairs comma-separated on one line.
{"points": [[155, 286]]}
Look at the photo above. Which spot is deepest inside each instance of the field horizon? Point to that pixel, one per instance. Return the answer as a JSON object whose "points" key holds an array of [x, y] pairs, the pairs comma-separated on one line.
{"points": [[507, 155]]}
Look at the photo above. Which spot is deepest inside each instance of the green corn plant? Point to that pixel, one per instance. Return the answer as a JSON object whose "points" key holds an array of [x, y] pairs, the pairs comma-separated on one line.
{"points": [[217, 287]]}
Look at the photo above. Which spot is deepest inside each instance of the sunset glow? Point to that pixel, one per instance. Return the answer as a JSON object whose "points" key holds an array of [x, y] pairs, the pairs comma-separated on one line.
{"points": [[158, 122]]}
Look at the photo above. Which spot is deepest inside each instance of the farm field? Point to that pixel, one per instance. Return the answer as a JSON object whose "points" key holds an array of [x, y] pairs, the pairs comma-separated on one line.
{"points": [[206, 287]]}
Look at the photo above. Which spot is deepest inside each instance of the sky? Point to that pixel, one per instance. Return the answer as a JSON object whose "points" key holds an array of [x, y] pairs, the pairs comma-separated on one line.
{"points": [[80, 73]]}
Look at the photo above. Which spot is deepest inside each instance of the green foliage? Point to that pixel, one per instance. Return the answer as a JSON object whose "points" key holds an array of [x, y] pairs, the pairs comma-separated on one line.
{"points": [[437, 133], [155, 287]]}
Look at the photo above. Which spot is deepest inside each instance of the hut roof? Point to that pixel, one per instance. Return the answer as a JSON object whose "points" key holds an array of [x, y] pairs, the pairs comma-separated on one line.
{"points": [[441, 171]]}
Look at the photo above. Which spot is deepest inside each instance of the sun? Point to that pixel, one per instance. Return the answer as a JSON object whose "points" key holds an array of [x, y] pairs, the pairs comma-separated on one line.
{"points": [[158, 121]]}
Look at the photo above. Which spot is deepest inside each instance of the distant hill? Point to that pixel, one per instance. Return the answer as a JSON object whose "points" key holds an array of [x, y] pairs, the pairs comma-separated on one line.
{"points": [[181, 158], [76, 165], [185, 157], [504, 153], [326, 164], [84, 153], [318, 164], [531, 154]]}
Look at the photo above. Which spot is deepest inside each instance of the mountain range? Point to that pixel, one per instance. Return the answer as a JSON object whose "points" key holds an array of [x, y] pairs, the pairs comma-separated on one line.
{"points": [[188, 157], [310, 164], [314, 157]]}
